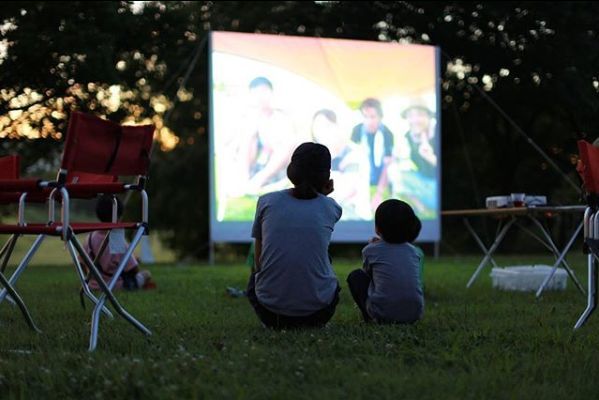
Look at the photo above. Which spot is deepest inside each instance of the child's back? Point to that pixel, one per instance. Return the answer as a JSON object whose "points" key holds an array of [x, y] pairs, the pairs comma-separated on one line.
{"points": [[296, 277], [389, 287], [293, 284], [395, 292]]}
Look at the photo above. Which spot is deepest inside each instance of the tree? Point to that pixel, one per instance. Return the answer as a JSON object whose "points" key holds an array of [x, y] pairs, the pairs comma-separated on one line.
{"points": [[109, 59], [536, 60]]}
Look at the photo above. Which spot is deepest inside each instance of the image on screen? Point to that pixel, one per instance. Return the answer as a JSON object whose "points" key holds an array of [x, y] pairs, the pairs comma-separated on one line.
{"points": [[374, 105]]}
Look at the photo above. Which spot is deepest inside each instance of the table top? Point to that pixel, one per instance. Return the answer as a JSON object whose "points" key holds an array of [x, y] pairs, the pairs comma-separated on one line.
{"points": [[515, 211]]}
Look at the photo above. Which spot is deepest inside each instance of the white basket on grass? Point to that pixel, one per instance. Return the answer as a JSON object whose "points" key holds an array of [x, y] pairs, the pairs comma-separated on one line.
{"points": [[528, 278]]}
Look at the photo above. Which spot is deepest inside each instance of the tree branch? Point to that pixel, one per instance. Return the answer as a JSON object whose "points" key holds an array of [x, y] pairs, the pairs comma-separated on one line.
{"points": [[5, 109]]}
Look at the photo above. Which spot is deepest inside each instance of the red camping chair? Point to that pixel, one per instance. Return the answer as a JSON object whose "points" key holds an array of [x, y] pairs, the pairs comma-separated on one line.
{"points": [[588, 168], [11, 187], [30, 191], [96, 153]]}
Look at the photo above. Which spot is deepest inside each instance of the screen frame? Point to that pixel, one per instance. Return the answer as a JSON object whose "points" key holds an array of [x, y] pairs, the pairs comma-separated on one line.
{"points": [[345, 231]]}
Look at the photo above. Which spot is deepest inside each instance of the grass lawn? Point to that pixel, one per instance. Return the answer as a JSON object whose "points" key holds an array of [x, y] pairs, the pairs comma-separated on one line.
{"points": [[476, 343]]}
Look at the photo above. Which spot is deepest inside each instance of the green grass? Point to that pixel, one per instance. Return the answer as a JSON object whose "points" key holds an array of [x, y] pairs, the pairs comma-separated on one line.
{"points": [[52, 251], [476, 343]]}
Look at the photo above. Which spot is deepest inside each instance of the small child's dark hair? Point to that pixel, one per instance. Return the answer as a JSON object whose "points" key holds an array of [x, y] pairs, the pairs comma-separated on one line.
{"points": [[104, 207], [396, 222]]}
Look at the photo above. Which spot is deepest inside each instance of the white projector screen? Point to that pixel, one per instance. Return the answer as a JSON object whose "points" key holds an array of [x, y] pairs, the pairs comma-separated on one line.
{"points": [[374, 105]]}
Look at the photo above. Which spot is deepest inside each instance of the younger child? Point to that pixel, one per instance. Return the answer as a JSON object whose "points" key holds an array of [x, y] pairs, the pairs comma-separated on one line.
{"points": [[389, 287], [132, 277]]}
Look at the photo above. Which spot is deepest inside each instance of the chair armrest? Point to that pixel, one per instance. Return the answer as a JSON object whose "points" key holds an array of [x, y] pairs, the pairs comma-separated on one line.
{"points": [[20, 185], [91, 189]]}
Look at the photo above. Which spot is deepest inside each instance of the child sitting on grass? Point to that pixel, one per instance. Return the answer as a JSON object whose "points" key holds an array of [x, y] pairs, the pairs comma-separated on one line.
{"points": [[389, 287], [132, 277], [293, 284]]}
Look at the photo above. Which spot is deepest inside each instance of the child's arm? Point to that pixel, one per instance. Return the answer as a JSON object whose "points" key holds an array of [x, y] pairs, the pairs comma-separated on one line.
{"points": [[367, 268], [257, 254], [365, 264], [257, 235]]}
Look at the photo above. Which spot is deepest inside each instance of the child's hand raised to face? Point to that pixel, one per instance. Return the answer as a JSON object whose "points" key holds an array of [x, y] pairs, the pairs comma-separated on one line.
{"points": [[328, 188]]}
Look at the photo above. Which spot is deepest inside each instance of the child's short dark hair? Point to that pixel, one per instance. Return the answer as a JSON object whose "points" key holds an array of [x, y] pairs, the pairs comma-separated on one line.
{"points": [[396, 222], [372, 103], [309, 169], [104, 207]]}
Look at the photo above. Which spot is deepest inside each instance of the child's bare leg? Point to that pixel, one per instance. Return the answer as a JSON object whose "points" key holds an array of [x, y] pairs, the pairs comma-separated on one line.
{"points": [[358, 282]]}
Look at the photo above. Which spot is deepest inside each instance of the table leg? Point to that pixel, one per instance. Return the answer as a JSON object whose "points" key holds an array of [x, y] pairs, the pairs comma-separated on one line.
{"points": [[535, 236], [488, 255], [560, 257], [478, 240]]}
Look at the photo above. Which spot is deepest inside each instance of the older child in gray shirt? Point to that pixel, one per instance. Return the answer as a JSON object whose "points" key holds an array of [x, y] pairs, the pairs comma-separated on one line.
{"points": [[389, 287], [293, 284]]}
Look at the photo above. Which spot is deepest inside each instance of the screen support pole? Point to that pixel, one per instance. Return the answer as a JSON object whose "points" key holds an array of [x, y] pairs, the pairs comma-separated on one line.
{"points": [[211, 253]]}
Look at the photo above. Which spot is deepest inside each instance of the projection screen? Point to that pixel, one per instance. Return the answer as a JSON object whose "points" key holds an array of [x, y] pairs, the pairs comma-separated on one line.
{"points": [[374, 105]]}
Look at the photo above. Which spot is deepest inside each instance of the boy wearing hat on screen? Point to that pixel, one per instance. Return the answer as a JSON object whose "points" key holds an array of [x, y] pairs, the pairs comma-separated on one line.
{"points": [[420, 185]]}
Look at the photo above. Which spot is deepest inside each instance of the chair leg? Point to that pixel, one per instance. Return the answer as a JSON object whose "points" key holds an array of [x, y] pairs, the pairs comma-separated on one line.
{"points": [[24, 262], [7, 250], [5, 254], [87, 276], [107, 289], [591, 292], [84, 285], [17, 299]]}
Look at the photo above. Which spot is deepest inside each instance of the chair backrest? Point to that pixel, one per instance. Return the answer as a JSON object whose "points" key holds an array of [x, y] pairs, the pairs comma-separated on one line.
{"points": [[9, 167], [589, 166], [97, 150]]}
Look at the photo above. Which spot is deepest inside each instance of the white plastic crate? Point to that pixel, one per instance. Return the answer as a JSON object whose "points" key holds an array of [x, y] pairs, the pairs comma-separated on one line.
{"points": [[528, 278]]}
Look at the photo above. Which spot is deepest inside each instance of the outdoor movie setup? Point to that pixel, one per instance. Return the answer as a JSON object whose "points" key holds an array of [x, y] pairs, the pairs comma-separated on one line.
{"points": [[374, 105]]}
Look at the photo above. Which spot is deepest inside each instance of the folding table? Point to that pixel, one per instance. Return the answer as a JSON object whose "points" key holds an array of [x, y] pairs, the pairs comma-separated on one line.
{"points": [[514, 216]]}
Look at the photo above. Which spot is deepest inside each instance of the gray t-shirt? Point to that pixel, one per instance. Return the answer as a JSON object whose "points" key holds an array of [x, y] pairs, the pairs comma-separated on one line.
{"points": [[296, 277], [395, 292]]}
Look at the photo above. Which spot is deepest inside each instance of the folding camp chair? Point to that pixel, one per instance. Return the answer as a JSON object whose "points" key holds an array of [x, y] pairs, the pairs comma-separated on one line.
{"points": [[9, 180], [29, 191], [96, 153], [589, 170], [22, 191]]}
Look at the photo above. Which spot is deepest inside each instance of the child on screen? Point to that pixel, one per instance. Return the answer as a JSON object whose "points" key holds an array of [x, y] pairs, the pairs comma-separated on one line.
{"points": [[389, 287]]}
